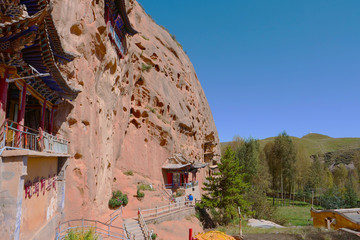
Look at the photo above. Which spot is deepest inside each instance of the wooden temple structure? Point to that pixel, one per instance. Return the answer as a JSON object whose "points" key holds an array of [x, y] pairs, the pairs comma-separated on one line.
{"points": [[118, 25], [31, 83], [210, 156], [33, 158], [177, 170]]}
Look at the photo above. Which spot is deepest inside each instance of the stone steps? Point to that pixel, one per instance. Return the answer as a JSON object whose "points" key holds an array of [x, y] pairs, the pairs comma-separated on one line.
{"points": [[133, 227]]}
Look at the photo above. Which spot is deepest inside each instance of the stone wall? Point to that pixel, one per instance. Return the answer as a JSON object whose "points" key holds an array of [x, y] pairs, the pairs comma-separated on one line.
{"points": [[24, 217]]}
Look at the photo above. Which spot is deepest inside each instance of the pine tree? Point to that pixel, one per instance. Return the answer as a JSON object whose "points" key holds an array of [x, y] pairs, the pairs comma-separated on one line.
{"points": [[224, 192]]}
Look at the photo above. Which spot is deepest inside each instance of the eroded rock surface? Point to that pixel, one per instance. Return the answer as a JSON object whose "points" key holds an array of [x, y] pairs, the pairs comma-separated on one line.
{"points": [[132, 113]]}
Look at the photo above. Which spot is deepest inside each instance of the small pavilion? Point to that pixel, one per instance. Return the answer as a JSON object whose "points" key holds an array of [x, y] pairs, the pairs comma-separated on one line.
{"points": [[177, 169]]}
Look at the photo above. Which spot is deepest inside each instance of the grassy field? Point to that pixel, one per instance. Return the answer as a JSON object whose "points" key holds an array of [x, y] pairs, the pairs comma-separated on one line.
{"points": [[296, 215]]}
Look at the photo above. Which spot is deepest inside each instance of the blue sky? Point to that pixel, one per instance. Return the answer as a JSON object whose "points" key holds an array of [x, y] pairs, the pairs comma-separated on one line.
{"points": [[272, 65]]}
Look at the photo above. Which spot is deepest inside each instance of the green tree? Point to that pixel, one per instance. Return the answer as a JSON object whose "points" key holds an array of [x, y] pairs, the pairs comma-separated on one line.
{"points": [[350, 196], [302, 167], [273, 165], [248, 155], [332, 199], [224, 191], [340, 177], [281, 158]]}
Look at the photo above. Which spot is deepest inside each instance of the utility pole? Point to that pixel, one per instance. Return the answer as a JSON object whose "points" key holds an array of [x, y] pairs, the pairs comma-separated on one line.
{"points": [[312, 198], [240, 223]]}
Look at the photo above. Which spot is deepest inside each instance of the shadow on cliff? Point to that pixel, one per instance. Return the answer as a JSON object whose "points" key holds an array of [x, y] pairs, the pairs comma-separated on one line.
{"points": [[205, 218], [61, 115]]}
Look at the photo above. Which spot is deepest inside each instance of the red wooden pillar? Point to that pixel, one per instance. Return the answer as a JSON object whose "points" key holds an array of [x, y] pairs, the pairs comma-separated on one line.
{"points": [[51, 124], [21, 112], [43, 113], [21, 118], [3, 96]]}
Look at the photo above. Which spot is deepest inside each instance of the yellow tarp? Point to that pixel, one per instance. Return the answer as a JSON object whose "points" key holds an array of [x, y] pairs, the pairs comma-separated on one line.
{"points": [[213, 235]]}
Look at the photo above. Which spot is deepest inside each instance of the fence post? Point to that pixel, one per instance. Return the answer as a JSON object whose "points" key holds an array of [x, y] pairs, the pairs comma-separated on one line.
{"points": [[82, 224], [190, 234], [109, 229], [169, 207], [156, 211]]}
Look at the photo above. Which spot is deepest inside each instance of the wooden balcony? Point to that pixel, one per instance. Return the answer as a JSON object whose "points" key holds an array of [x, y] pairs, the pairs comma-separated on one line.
{"points": [[14, 136]]}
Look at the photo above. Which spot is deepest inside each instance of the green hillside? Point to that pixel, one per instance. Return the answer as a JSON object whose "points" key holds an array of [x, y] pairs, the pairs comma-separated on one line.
{"points": [[317, 143]]}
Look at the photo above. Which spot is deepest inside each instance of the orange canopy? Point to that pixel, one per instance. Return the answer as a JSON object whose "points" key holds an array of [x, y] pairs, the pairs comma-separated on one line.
{"points": [[212, 235]]}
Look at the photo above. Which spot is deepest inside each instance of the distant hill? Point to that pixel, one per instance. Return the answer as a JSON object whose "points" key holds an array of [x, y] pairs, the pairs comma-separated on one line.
{"points": [[315, 143]]}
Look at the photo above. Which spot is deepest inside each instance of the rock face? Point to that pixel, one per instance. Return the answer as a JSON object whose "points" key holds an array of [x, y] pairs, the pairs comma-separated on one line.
{"points": [[132, 113]]}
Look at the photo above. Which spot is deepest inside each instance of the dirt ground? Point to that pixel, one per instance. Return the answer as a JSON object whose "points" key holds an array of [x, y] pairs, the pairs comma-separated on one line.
{"points": [[176, 230]]}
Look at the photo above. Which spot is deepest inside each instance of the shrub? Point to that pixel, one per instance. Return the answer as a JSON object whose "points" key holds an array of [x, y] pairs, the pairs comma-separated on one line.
{"points": [[145, 67], [145, 187], [153, 236], [129, 173], [179, 194], [125, 200], [140, 194], [81, 235], [118, 199]]}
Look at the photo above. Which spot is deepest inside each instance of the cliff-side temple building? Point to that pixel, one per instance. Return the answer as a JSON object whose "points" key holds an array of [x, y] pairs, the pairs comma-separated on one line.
{"points": [[33, 158], [118, 25], [180, 174]]}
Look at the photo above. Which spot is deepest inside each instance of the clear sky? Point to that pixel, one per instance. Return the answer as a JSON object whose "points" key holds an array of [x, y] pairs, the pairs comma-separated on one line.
{"points": [[272, 65]]}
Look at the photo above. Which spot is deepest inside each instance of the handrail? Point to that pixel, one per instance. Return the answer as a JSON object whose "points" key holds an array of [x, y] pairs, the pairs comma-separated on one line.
{"points": [[165, 192], [182, 186], [115, 214], [143, 226], [25, 127], [166, 209], [100, 228], [17, 136], [126, 232]]}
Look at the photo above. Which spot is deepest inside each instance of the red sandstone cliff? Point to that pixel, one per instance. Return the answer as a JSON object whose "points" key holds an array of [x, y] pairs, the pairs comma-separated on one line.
{"points": [[125, 118]]}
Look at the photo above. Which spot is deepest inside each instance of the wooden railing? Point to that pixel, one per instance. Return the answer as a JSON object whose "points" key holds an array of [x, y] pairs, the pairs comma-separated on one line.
{"points": [[182, 186], [17, 136], [100, 228], [143, 226]]}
